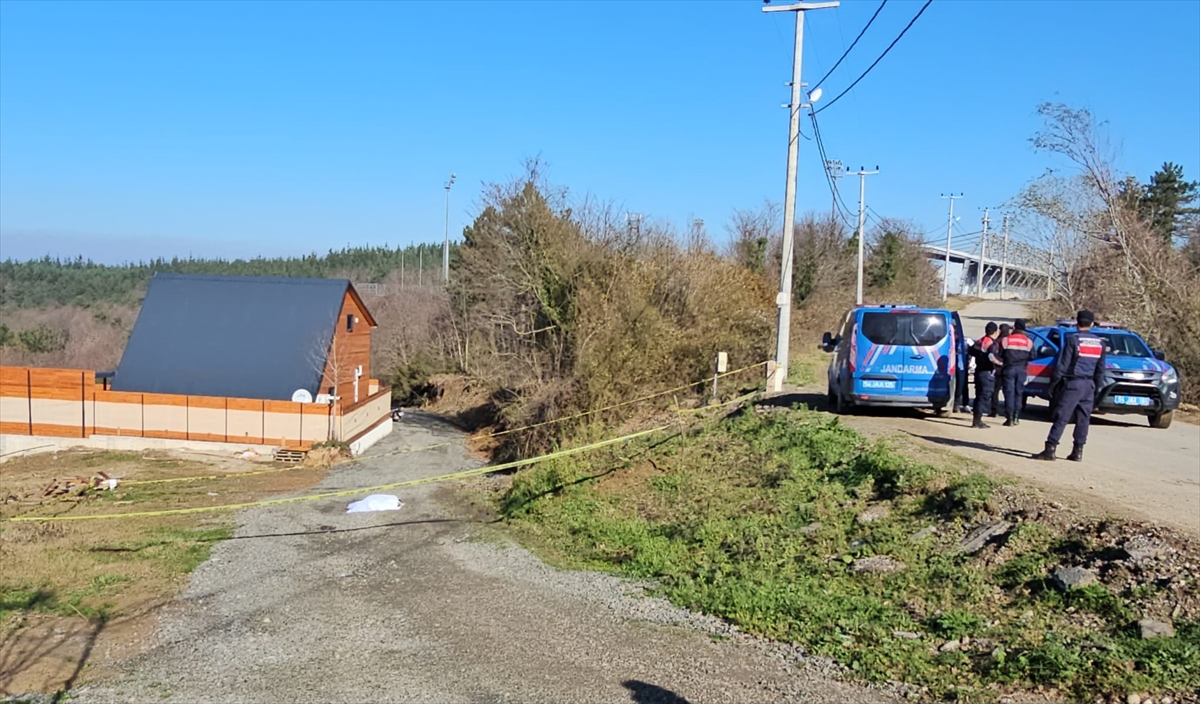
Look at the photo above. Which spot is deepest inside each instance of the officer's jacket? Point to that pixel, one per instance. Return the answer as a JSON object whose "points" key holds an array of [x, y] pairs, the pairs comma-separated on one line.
{"points": [[1081, 357], [1015, 349], [984, 352]]}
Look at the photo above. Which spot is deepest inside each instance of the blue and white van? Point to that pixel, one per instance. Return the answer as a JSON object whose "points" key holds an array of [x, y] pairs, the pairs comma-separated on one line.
{"points": [[893, 355]]}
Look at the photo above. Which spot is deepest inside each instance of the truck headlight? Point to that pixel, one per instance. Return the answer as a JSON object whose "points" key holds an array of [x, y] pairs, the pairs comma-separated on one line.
{"points": [[1170, 377]]}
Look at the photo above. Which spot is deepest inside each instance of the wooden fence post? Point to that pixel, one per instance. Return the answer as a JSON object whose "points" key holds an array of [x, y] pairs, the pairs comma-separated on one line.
{"points": [[29, 397], [82, 404]]}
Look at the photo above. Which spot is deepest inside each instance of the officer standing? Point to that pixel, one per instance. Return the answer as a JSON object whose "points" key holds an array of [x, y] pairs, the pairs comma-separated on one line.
{"points": [[1016, 349], [994, 409], [1078, 372], [985, 372]]}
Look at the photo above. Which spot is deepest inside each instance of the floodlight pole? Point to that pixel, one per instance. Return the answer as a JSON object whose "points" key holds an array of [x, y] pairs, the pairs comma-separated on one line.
{"points": [[778, 374], [446, 241], [949, 235]]}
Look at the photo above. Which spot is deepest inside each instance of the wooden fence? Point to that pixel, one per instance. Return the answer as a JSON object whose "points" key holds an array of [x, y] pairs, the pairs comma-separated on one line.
{"points": [[69, 403]]}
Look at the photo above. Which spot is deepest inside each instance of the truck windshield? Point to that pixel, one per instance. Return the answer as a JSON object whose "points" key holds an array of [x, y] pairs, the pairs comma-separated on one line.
{"points": [[1123, 345], [920, 329]]}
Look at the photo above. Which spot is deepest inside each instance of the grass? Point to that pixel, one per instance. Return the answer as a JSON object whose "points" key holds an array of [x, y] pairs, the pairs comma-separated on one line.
{"points": [[755, 520], [806, 365]]}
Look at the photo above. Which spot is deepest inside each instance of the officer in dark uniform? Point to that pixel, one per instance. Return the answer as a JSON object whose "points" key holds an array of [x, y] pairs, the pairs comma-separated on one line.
{"points": [[1016, 349], [1078, 372], [994, 409], [985, 372]]}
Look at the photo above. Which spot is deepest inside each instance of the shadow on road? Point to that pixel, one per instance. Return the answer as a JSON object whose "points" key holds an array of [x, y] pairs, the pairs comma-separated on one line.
{"points": [[951, 442], [646, 693], [322, 530]]}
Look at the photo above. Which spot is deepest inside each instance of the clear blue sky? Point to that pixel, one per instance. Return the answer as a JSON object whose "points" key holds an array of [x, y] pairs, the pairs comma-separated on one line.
{"points": [[141, 129]]}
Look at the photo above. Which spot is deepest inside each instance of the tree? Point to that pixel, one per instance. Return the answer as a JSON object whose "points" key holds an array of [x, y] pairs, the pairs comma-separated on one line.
{"points": [[895, 266], [43, 339], [1166, 203]]}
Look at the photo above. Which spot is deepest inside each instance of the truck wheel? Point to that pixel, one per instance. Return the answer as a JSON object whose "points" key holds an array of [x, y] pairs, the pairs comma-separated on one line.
{"points": [[1162, 420]]}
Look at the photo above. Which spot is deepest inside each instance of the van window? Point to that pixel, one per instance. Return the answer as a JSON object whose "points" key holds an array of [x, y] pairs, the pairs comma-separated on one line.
{"points": [[921, 329]]}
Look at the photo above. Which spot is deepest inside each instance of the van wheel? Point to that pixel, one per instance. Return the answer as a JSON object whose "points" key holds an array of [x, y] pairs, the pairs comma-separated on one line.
{"points": [[1162, 420]]}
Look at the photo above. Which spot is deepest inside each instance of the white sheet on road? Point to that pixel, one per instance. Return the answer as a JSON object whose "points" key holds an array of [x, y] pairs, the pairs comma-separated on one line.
{"points": [[375, 502]]}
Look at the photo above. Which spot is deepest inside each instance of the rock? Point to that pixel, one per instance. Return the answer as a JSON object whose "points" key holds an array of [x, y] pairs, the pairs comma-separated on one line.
{"points": [[907, 635], [950, 646], [1141, 549], [873, 513], [1068, 578], [879, 564], [976, 539], [923, 534], [1133, 698], [811, 528], [1156, 629]]}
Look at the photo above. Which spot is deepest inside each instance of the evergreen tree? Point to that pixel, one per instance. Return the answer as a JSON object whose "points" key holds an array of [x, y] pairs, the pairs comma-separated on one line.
{"points": [[1166, 202]]}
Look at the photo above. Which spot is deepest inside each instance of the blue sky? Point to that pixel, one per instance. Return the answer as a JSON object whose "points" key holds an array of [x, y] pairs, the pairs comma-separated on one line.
{"points": [[144, 129]]}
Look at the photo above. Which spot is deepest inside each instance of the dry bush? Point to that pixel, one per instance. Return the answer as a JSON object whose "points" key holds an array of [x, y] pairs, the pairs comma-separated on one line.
{"points": [[564, 309], [94, 338]]}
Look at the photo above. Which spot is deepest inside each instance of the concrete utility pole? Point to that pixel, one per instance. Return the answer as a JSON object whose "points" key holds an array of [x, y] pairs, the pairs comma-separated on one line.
{"points": [[836, 170], [862, 204], [949, 234], [784, 299], [446, 241], [983, 250], [1004, 262]]}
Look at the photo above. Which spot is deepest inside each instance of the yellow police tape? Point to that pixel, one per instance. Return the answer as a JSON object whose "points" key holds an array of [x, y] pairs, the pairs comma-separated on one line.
{"points": [[351, 492], [383, 487], [133, 482]]}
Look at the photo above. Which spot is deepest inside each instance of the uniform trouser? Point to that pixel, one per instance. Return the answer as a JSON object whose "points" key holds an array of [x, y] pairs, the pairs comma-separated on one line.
{"points": [[1014, 389], [1072, 404], [985, 385], [960, 388]]}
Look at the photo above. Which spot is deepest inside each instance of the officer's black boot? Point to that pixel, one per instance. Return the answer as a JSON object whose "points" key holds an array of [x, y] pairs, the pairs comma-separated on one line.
{"points": [[1009, 422], [1047, 454], [1076, 453]]}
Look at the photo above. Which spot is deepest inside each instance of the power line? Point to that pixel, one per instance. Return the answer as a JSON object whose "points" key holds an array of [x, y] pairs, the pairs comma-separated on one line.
{"points": [[847, 51], [885, 53], [843, 210]]}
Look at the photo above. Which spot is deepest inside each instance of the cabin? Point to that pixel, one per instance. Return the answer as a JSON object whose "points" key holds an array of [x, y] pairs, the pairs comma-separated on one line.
{"points": [[250, 337]]}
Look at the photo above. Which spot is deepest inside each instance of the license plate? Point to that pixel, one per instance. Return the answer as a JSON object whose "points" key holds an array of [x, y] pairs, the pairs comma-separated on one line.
{"points": [[1132, 400], [878, 384]]}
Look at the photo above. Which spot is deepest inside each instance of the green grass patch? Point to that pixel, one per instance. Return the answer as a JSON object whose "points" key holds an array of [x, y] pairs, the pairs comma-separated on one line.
{"points": [[759, 520]]}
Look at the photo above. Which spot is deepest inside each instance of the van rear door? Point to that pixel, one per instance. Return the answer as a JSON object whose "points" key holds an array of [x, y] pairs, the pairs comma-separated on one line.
{"points": [[908, 353]]}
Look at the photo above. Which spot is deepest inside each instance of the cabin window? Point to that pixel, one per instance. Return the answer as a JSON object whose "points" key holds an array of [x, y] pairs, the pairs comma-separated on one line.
{"points": [[349, 322]]}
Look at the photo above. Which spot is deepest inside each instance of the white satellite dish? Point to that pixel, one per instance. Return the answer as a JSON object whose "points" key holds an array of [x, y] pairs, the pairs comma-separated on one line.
{"points": [[815, 95], [301, 396]]}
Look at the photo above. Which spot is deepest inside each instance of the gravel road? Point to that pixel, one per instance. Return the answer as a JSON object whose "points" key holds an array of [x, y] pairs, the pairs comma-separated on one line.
{"points": [[309, 604]]}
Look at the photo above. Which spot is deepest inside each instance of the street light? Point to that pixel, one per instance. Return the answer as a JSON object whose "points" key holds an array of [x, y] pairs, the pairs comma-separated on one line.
{"points": [[446, 241]]}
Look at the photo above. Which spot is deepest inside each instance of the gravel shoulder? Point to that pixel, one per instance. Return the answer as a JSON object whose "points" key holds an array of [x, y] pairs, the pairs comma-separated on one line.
{"points": [[307, 603]]}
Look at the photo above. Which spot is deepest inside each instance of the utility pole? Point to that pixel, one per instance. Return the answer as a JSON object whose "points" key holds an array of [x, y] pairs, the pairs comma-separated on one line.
{"points": [[862, 213], [1004, 262], [983, 250], [446, 241], [784, 299], [836, 170], [949, 234]]}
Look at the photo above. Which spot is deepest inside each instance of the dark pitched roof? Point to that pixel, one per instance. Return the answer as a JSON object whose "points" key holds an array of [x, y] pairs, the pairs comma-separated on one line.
{"points": [[237, 336]]}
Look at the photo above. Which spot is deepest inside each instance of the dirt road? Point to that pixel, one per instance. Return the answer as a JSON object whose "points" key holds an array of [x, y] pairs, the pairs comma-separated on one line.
{"points": [[1129, 469], [309, 604]]}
